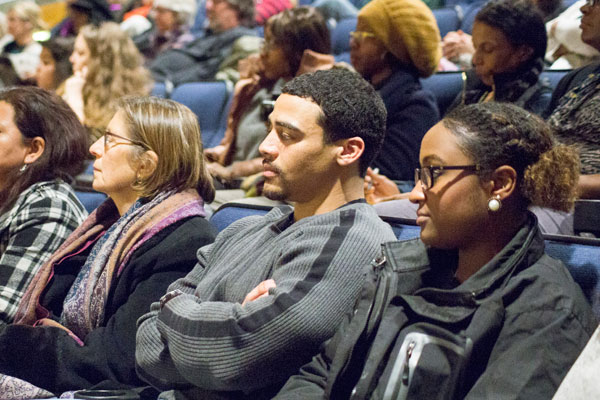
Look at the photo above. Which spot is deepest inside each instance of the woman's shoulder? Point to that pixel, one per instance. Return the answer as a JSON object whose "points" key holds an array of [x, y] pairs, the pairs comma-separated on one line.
{"points": [[53, 194]]}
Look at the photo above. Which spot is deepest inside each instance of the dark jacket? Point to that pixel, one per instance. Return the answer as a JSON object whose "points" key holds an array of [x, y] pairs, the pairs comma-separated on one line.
{"points": [[411, 111], [568, 82], [49, 358], [198, 60], [523, 88], [518, 324]]}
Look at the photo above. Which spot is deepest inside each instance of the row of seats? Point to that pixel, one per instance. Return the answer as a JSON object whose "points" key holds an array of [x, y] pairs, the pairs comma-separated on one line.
{"points": [[211, 100], [580, 255]]}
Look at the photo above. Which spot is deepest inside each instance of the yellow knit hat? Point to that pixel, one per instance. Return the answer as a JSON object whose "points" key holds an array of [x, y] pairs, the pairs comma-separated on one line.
{"points": [[407, 29]]}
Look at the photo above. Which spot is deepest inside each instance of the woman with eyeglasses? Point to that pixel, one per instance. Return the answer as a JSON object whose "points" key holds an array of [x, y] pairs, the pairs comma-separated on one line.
{"points": [[396, 42], [42, 147], [76, 324], [296, 41], [474, 308]]}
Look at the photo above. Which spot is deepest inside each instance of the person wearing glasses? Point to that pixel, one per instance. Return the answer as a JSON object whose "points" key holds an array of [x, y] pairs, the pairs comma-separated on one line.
{"points": [[395, 43], [42, 147], [473, 308], [76, 324]]}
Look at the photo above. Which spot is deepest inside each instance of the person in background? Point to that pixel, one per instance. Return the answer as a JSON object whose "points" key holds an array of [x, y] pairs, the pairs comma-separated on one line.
{"points": [[229, 21], [42, 148], [452, 314], [23, 19], [296, 41], [272, 288], [54, 67], [106, 67], [81, 13], [573, 111], [171, 28], [395, 43], [75, 327], [510, 40]]}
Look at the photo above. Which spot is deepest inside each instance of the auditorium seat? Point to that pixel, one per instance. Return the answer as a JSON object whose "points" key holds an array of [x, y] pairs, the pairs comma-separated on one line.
{"points": [[448, 19], [207, 100], [340, 36], [445, 87], [231, 212]]}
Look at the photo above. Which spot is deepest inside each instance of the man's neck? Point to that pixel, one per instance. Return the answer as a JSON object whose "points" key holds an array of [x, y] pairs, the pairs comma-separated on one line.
{"points": [[342, 192]]}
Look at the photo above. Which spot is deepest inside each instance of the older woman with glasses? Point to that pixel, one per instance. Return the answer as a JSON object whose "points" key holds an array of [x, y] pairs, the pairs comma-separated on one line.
{"points": [[86, 299], [474, 308]]}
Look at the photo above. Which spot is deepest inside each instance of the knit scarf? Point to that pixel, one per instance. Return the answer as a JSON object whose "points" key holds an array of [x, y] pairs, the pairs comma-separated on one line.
{"points": [[83, 308]]}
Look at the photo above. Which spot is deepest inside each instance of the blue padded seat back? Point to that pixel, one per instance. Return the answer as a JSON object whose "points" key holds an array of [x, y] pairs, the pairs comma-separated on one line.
{"points": [[445, 87], [403, 228], [159, 90], [90, 200], [553, 76], [231, 212], [447, 20], [582, 258], [207, 100], [340, 35]]}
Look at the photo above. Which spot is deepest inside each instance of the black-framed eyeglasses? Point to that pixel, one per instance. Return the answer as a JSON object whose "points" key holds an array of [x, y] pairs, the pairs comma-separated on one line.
{"points": [[108, 144], [428, 174]]}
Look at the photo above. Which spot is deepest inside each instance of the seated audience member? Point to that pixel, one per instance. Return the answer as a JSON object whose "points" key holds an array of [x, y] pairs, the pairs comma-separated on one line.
{"points": [[212, 335], [42, 147], [573, 111], [287, 37], [395, 43], [566, 49], [200, 59], [81, 13], [18, 46], [475, 296], [171, 28], [106, 67], [509, 38], [265, 9], [86, 299], [54, 67]]}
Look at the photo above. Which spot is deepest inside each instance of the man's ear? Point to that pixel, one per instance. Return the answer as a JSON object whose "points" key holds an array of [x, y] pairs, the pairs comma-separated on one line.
{"points": [[148, 164], [349, 150], [503, 182], [35, 149]]}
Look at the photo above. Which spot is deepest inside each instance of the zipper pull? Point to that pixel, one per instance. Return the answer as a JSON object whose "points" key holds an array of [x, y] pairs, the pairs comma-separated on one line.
{"points": [[405, 367], [378, 262]]}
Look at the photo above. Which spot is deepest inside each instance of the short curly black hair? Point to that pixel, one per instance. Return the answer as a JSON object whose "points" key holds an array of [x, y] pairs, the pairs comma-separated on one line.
{"points": [[519, 20], [350, 107]]}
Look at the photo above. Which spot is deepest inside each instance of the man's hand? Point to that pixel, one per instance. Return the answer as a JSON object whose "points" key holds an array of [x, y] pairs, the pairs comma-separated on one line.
{"points": [[262, 290], [219, 171], [456, 43]]}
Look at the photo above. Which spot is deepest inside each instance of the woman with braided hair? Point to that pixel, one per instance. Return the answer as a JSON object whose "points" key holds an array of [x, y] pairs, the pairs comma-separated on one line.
{"points": [[450, 315]]}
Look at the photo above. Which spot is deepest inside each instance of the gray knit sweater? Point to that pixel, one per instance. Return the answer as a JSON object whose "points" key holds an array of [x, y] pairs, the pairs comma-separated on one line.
{"points": [[204, 341]]}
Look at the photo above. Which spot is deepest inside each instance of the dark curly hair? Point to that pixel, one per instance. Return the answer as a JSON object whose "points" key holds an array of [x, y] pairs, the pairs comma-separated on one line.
{"points": [[495, 134], [519, 20], [350, 107], [38, 112]]}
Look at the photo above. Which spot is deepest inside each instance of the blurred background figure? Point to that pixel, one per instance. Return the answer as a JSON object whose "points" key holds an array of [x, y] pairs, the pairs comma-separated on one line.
{"points": [[106, 67], [81, 13], [42, 147], [170, 28], [18, 46], [54, 67], [395, 43], [296, 41], [509, 39]]}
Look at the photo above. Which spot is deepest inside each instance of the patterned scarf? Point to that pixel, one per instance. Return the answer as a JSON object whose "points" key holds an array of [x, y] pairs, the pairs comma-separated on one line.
{"points": [[577, 122], [83, 309]]}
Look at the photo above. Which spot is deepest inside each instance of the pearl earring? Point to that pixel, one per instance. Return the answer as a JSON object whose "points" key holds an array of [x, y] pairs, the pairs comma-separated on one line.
{"points": [[494, 203], [23, 168]]}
